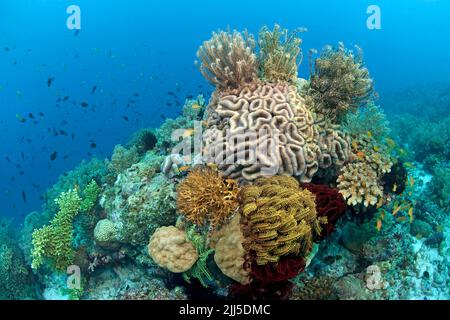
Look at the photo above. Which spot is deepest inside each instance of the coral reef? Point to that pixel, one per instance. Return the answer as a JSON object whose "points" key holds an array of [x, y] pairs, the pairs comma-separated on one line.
{"points": [[170, 249], [282, 218], [204, 196], [140, 201]]}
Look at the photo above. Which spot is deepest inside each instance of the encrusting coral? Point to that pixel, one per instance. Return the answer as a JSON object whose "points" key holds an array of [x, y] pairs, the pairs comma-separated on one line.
{"points": [[228, 59], [205, 197], [281, 218], [170, 248]]}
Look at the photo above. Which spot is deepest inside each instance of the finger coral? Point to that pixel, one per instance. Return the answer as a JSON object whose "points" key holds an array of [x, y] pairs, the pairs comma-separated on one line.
{"points": [[228, 59], [170, 248], [358, 183], [280, 54], [339, 83], [204, 196], [281, 218]]}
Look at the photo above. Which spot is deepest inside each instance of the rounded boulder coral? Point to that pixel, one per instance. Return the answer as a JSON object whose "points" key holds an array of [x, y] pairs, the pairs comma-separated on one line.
{"points": [[105, 232], [170, 249]]}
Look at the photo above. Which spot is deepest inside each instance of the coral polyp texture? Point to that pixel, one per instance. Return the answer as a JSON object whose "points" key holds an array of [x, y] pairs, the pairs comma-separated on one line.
{"points": [[170, 248], [205, 197], [282, 218]]}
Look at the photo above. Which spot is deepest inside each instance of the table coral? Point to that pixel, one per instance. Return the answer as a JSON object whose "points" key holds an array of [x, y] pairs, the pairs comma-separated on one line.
{"points": [[170, 249], [281, 218]]}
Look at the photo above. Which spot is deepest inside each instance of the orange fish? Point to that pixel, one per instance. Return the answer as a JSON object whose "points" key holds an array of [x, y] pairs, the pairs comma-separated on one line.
{"points": [[379, 224], [411, 181], [401, 219], [183, 168], [360, 154]]}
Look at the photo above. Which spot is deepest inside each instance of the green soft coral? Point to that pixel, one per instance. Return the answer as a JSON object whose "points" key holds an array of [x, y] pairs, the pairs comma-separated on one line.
{"points": [[200, 269], [54, 241]]}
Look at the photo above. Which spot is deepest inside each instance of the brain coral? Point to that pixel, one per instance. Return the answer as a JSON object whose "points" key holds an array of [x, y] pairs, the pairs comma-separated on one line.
{"points": [[266, 129], [229, 252], [170, 249], [281, 218], [105, 231]]}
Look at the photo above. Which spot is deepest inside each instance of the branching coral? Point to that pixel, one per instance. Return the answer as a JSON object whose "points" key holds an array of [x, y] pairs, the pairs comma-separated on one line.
{"points": [[339, 83], [54, 241], [204, 196], [228, 59], [170, 248], [280, 54], [358, 183], [281, 218]]}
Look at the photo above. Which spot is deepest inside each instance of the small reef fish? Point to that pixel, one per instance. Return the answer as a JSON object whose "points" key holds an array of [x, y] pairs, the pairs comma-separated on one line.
{"points": [[53, 156], [369, 134], [376, 148], [183, 168], [20, 118], [379, 224], [196, 106], [409, 165], [411, 181], [50, 81], [394, 187], [410, 214]]}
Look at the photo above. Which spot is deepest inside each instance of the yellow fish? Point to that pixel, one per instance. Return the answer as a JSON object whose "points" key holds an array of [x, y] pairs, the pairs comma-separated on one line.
{"points": [[411, 181], [390, 142], [376, 148], [183, 168], [394, 188], [409, 165], [369, 134], [410, 214], [187, 133], [401, 219], [196, 106]]}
